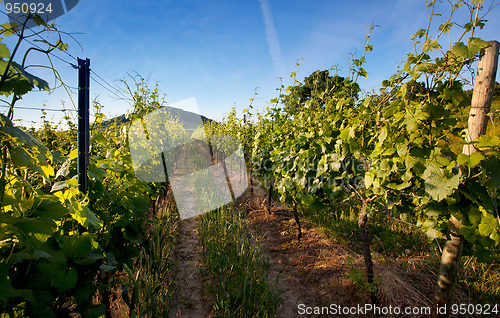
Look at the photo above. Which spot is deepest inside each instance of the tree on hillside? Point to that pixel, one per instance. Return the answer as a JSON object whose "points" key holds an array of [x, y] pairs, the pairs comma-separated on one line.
{"points": [[320, 86]]}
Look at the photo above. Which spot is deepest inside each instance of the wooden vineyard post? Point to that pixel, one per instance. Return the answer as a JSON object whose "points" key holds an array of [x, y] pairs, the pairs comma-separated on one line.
{"points": [[246, 156], [296, 216], [482, 96], [480, 106], [365, 238], [270, 194]]}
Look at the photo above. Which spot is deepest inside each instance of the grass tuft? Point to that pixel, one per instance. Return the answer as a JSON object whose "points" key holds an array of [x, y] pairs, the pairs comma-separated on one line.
{"points": [[236, 273], [151, 285]]}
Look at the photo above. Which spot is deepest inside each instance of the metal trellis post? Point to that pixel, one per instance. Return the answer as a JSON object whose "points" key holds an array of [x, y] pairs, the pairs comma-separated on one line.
{"points": [[83, 122]]}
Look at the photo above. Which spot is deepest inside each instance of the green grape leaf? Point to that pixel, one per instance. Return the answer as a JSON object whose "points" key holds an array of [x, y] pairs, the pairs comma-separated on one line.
{"points": [[73, 154], [6, 289], [18, 135], [474, 216], [107, 268], [429, 228], [488, 225], [18, 86], [84, 216], [97, 138], [95, 173], [41, 229], [486, 142], [483, 256], [432, 234], [433, 210], [426, 67], [57, 156], [368, 180], [9, 28], [495, 236], [288, 183], [96, 311], [445, 27], [32, 79], [76, 247], [475, 45], [39, 20], [437, 185], [460, 50], [39, 254], [49, 207], [400, 186], [22, 159], [58, 186], [491, 168], [471, 161], [4, 51], [402, 149], [469, 233], [411, 123], [63, 279]]}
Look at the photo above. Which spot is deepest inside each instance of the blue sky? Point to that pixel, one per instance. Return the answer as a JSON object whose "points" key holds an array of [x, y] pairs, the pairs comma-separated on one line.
{"points": [[220, 51]]}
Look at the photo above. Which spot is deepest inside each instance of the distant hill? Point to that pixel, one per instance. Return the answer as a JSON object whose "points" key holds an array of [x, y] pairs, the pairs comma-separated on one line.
{"points": [[190, 120]]}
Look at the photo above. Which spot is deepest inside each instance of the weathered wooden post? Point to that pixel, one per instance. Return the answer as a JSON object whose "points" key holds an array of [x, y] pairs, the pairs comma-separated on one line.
{"points": [[247, 157], [480, 106], [482, 96]]}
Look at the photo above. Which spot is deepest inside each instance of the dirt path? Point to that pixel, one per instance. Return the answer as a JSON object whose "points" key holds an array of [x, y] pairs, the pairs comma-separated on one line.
{"points": [[192, 302], [310, 273], [313, 272]]}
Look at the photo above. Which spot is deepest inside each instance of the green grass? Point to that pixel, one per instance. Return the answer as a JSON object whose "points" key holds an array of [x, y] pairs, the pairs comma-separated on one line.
{"points": [[393, 239], [235, 271], [481, 281], [151, 282], [389, 237]]}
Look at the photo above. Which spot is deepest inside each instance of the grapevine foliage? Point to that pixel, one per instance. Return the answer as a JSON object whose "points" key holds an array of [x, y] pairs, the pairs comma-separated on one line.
{"points": [[58, 245], [322, 140], [326, 143]]}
